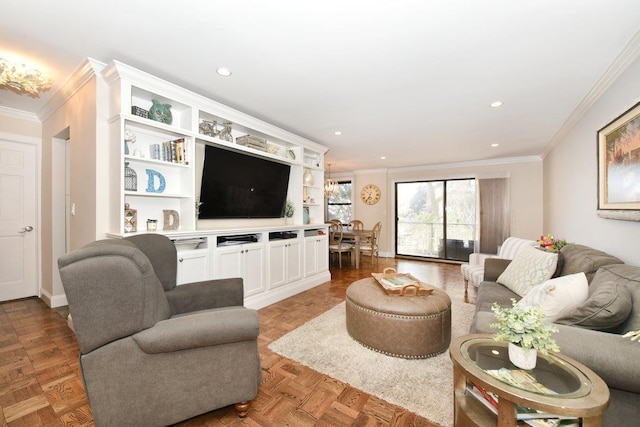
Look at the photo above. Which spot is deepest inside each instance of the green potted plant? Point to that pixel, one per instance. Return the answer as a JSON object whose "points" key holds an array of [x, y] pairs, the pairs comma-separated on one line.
{"points": [[526, 332], [289, 210]]}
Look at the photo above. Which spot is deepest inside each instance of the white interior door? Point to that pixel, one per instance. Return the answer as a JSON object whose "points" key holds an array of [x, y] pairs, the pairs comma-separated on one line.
{"points": [[18, 253]]}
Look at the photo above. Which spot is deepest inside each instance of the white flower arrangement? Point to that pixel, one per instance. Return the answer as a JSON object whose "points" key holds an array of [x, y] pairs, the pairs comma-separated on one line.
{"points": [[524, 327]]}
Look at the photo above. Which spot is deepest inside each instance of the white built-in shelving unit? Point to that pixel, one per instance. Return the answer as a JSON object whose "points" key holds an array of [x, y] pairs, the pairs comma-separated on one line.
{"points": [[169, 183]]}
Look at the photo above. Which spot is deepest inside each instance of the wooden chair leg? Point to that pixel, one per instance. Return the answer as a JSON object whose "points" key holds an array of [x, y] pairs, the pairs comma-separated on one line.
{"points": [[466, 290], [242, 409]]}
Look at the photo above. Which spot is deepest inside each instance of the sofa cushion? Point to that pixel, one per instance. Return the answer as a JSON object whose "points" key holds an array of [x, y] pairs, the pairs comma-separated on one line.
{"points": [[529, 268], [629, 277], [580, 258], [608, 305], [557, 297], [491, 292]]}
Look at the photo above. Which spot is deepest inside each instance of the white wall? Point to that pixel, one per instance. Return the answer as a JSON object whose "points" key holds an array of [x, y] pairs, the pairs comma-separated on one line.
{"points": [[526, 192], [570, 173], [77, 119]]}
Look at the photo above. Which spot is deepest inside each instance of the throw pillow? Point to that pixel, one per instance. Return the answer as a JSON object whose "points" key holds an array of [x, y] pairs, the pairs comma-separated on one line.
{"points": [[608, 306], [559, 296], [529, 268]]}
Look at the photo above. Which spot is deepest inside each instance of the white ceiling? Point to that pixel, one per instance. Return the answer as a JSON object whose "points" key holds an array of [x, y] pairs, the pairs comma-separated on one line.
{"points": [[409, 80]]}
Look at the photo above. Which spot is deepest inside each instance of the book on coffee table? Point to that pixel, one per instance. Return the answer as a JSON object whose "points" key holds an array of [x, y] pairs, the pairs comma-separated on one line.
{"points": [[402, 284]]}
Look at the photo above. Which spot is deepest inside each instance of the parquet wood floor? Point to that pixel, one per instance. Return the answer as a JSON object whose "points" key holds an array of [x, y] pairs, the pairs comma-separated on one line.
{"points": [[40, 382]]}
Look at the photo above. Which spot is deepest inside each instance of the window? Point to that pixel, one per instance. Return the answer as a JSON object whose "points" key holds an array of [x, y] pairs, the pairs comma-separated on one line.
{"points": [[339, 204], [436, 219]]}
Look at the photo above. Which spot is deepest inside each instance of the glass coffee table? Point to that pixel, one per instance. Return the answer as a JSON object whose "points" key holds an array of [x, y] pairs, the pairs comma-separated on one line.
{"points": [[558, 385]]}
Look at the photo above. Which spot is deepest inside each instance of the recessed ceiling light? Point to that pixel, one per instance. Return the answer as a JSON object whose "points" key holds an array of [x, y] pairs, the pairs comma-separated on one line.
{"points": [[383, 157], [225, 72], [495, 145], [496, 104], [337, 132]]}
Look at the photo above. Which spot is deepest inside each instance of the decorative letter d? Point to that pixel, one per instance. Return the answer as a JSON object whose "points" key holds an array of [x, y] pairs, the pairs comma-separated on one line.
{"points": [[151, 188]]}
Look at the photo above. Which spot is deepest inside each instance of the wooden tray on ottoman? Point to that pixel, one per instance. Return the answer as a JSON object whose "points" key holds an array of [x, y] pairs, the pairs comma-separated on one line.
{"points": [[398, 283]]}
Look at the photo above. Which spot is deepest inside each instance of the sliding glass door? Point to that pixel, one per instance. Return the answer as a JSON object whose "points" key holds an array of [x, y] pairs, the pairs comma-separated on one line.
{"points": [[436, 219]]}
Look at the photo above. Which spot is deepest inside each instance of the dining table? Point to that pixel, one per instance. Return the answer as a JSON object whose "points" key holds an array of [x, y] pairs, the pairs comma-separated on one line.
{"points": [[357, 236]]}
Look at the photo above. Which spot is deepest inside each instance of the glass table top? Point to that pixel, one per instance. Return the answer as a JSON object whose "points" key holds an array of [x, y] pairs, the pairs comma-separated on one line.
{"points": [[552, 376]]}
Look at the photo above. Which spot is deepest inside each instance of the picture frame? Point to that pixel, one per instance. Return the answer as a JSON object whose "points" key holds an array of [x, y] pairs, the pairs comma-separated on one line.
{"points": [[619, 167]]}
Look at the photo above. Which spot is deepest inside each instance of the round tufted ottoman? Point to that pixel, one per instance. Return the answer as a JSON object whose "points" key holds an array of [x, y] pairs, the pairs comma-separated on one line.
{"points": [[413, 327]]}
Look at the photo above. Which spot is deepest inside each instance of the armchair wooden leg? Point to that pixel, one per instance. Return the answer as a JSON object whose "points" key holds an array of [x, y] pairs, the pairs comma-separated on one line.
{"points": [[242, 409], [466, 290]]}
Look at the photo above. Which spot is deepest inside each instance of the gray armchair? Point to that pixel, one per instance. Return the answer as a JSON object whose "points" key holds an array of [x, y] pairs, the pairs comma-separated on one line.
{"points": [[153, 353]]}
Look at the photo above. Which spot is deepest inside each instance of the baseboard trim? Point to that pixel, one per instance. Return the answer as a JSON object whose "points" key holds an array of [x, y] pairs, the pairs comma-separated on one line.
{"points": [[278, 294], [53, 301]]}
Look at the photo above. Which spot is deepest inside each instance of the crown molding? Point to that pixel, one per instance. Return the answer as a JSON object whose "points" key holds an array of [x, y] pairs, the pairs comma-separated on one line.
{"points": [[626, 57], [474, 163], [18, 114], [118, 70], [81, 76], [371, 171]]}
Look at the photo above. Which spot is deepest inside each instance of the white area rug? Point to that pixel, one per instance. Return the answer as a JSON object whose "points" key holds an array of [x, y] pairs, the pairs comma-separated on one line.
{"points": [[423, 386]]}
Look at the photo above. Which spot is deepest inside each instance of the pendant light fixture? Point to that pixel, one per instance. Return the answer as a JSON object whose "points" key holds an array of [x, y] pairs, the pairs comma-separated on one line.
{"points": [[330, 185]]}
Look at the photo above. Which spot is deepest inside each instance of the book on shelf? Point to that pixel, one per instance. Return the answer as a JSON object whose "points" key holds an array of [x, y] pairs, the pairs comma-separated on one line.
{"points": [[174, 151], [490, 400]]}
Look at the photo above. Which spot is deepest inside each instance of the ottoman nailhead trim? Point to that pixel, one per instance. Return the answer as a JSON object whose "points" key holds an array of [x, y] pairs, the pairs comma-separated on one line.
{"points": [[399, 316], [404, 356]]}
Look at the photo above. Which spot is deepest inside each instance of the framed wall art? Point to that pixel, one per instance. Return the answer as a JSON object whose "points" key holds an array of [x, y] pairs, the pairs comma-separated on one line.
{"points": [[619, 167]]}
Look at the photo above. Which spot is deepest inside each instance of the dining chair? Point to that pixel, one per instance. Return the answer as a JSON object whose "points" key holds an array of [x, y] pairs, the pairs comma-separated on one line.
{"points": [[336, 245], [370, 246], [356, 224]]}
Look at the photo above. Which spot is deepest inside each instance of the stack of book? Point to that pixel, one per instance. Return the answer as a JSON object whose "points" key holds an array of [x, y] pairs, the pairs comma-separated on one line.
{"points": [[252, 142], [529, 416], [170, 151]]}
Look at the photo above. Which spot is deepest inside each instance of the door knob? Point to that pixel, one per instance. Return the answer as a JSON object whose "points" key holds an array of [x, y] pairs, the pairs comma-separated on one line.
{"points": [[26, 229]]}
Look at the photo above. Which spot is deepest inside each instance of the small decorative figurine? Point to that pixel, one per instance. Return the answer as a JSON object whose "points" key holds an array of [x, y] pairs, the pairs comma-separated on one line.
{"points": [[130, 178], [171, 219], [151, 181], [130, 219]]}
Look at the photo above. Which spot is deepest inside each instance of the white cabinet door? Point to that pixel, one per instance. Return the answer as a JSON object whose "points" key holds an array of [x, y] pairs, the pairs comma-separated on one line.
{"points": [[193, 266], [246, 261], [323, 253], [285, 257], [277, 263], [253, 260], [229, 262], [294, 260], [316, 255], [310, 256]]}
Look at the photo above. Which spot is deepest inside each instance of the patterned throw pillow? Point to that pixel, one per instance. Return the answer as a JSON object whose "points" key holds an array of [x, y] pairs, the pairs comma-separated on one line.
{"points": [[557, 297], [529, 268]]}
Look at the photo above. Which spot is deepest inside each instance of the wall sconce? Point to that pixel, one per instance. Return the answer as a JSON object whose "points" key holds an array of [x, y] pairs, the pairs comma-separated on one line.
{"points": [[23, 79]]}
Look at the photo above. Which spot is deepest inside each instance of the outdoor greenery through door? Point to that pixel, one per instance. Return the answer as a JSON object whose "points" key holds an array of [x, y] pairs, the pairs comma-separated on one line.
{"points": [[436, 219]]}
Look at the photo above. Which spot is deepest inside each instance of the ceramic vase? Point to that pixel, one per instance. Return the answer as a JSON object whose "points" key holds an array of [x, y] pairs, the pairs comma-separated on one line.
{"points": [[522, 358], [307, 178], [305, 215], [160, 112]]}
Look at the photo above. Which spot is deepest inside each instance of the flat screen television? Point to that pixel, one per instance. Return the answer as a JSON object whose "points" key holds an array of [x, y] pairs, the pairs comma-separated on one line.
{"points": [[236, 185]]}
